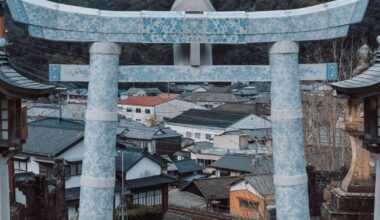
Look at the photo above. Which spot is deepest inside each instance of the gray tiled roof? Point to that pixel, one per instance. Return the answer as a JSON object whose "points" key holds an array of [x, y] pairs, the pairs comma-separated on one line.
{"points": [[144, 133], [186, 166], [237, 107], [149, 181], [52, 136], [263, 184], [132, 156], [245, 163], [214, 188], [212, 97], [210, 118]]}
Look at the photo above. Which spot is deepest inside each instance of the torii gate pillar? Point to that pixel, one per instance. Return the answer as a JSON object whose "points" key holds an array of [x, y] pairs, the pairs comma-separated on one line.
{"points": [[98, 174], [4, 189], [290, 176]]}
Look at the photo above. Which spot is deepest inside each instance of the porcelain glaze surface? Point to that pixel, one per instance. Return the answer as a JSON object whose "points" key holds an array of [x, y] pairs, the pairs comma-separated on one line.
{"points": [[53, 21], [222, 73]]}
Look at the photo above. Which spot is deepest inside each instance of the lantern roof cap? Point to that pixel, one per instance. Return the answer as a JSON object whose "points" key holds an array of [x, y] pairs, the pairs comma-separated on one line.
{"points": [[364, 84]]}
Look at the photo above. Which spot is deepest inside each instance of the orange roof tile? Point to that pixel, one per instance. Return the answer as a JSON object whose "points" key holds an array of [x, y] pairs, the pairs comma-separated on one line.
{"points": [[144, 100]]}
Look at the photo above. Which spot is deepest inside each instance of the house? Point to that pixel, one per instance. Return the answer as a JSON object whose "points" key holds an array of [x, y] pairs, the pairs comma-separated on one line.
{"points": [[248, 91], [190, 88], [132, 92], [203, 125], [185, 170], [206, 153], [212, 100], [73, 95], [158, 140], [141, 108], [240, 164], [51, 138], [215, 191], [253, 197], [145, 183]]}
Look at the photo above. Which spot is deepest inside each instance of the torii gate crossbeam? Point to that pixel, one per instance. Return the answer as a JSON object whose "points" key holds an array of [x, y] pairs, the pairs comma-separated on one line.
{"points": [[58, 22]]}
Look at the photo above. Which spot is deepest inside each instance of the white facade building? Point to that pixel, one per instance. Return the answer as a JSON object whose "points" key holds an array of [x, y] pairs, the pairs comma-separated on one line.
{"points": [[203, 125]]}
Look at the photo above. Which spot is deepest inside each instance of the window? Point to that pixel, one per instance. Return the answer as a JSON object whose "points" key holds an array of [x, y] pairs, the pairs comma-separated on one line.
{"points": [[149, 198], [208, 137], [120, 108], [74, 169], [209, 106], [4, 120], [248, 204], [197, 135], [129, 109], [224, 173], [205, 163], [138, 110], [147, 111], [188, 134], [20, 165]]}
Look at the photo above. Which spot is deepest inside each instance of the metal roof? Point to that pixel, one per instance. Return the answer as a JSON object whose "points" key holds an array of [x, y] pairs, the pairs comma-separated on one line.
{"points": [[368, 81], [184, 166], [149, 181], [245, 163], [211, 118]]}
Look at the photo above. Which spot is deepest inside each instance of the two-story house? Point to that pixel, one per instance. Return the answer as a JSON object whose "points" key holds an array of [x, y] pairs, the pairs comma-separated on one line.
{"points": [[151, 110], [203, 125], [253, 198], [48, 139], [145, 182], [162, 141], [141, 108]]}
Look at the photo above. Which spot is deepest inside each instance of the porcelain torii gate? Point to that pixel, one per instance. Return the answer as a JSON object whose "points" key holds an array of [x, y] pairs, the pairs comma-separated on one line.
{"points": [[58, 22]]}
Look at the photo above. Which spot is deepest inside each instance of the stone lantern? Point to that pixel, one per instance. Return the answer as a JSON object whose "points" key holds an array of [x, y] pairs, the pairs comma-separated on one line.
{"points": [[363, 127]]}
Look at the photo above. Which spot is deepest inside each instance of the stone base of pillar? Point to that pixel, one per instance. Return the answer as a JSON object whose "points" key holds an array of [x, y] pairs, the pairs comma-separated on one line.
{"points": [[348, 205]]}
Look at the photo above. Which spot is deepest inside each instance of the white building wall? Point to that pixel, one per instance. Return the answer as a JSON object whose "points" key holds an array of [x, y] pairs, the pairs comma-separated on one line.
{"points": [[231, 141], [202, 131], [75, 153], [72, 182], [145, 167], [251, 122], [141, 117], [20, 197]]}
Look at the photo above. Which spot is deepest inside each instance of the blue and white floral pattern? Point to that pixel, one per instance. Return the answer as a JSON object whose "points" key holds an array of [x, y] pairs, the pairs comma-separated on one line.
{"points": [[100, 136], [287, 132], [69, 23], [216, 73]]}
